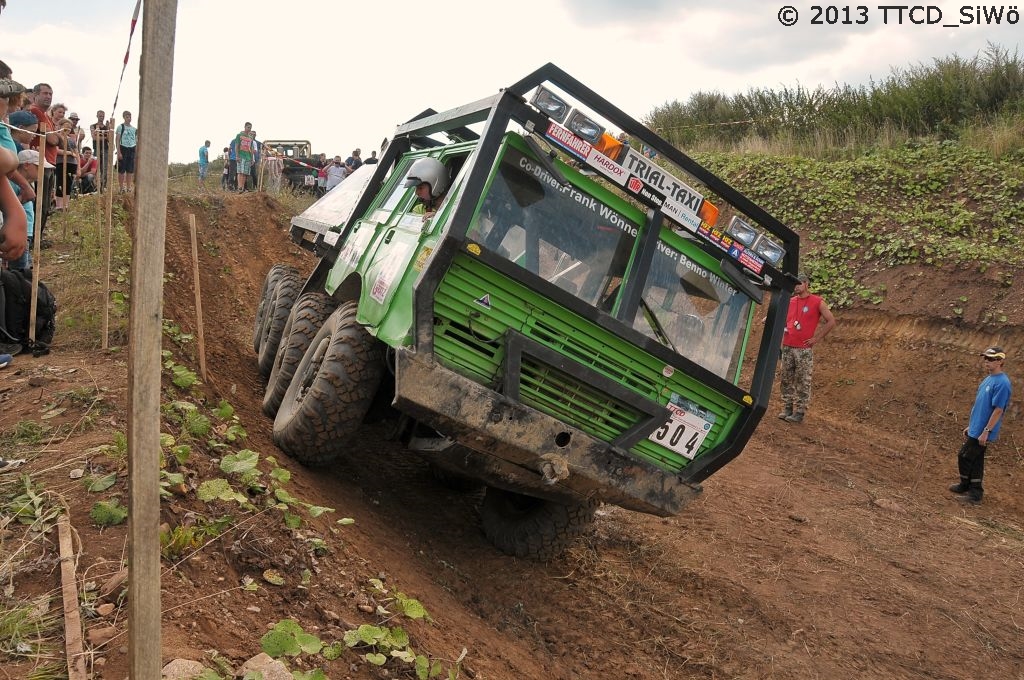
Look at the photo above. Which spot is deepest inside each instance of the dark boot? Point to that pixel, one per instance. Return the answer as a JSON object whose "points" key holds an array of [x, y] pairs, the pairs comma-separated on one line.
{"points": [[960, 487], [795, 417], [975, 492], [973, 497], [786, 413]]}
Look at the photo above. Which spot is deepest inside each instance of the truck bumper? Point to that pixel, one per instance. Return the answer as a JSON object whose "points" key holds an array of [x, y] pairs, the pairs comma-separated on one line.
{"points": [[521, 449]]}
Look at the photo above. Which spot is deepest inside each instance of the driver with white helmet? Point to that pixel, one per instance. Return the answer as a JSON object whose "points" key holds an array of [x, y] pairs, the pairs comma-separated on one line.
{"points": [[430, 177]]}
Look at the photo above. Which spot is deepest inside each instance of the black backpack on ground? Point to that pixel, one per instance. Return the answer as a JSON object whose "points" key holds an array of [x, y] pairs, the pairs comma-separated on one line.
{"points": [[17, 300]]}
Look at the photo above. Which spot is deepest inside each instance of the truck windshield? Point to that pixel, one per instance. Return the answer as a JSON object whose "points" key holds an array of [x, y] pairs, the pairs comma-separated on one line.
{"points": [[556, 232], [583, 246], [693, 310]]}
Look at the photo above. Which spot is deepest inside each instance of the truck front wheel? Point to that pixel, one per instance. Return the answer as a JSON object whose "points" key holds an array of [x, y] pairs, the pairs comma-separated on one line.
{"points": [[275, 316], [530, 527], [269, 283], [306, 318], [331, 391]]}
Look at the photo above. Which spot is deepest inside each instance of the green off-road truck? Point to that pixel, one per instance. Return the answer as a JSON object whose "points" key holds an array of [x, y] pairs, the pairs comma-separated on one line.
{"points": [[570, 327]]}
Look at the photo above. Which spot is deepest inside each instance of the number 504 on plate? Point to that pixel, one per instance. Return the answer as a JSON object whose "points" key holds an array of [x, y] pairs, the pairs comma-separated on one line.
{"points": [[683, 432]]}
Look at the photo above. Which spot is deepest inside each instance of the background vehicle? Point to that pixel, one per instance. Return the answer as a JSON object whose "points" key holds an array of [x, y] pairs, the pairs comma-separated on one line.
{"points": [[300, 165], [569, 328]]}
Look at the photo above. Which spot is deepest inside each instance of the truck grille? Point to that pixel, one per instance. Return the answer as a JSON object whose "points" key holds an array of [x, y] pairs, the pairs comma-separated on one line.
{"points": [[474, 307]]}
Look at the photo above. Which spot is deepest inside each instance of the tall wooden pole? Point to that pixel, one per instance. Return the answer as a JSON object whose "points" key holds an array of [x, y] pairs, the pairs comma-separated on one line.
{"points": [[199, 298], [145, 329], [37, 239], [106, 256]]}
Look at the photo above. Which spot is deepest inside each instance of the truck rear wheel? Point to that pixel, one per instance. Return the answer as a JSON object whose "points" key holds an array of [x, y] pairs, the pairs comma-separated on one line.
{"points": [[530, 527], [275, 316], [306, 318], [269, 282], [331, 391]]}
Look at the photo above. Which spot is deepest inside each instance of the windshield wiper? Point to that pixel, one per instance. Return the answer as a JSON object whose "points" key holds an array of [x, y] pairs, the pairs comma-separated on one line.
{"points": [[655, 323]]}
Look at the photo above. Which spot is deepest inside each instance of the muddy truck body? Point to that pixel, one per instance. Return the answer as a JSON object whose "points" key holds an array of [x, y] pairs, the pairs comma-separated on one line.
{"points": [[590, 316]]}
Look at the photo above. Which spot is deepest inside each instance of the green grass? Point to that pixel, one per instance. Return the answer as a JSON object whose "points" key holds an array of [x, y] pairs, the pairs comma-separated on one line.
{"points": [[951, 98], [920, 203]]}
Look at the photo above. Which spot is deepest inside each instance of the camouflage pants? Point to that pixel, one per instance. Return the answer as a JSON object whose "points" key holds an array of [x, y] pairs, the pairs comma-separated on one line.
{"points": [[796, 367]]}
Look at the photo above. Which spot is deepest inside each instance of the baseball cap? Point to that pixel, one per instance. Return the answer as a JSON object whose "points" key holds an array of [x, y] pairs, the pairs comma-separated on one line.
{"points": [[994, 353], [73, 116], [21, 119], [802, 276], [9, 88], [32, 156]]}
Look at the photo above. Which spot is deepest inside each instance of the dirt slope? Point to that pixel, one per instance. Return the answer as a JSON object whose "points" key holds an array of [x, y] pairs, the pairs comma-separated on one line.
{"points": [[827, 550]]}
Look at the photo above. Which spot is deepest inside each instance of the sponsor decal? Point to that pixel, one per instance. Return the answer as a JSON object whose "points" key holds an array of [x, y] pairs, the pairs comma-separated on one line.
{"points": [[751, 261], [668, 371], [745, 257], [484, 301], [672, 188], [473, 248], [686, 219], [715, 236], [421, 259], [607, 167], [388, 272], [637, 187], [568, 141]]}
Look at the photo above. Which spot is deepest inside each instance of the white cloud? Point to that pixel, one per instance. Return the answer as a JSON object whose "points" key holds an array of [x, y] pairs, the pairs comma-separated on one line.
{"points": [[343, 74]]}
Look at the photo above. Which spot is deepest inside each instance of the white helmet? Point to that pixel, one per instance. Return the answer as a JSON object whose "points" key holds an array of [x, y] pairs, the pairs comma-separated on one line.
{"points": [[431, 171]]}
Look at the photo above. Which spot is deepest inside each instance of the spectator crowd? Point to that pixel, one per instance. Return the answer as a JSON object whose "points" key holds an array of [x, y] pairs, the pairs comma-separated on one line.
{"points": [[246, 159], [37, 129]]}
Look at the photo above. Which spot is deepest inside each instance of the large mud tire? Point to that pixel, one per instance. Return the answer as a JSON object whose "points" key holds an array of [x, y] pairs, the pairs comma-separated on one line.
{"points": [[306, 318], [331, 391], [275, 316], [530, 527], [269, 283]]}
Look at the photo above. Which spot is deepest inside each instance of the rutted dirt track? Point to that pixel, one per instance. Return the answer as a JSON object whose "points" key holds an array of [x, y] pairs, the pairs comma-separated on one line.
{"points": [[827, 550]]}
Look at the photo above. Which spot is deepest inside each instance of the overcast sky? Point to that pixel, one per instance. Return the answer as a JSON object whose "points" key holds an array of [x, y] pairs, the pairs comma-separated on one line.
{"points": [[343, 73]]}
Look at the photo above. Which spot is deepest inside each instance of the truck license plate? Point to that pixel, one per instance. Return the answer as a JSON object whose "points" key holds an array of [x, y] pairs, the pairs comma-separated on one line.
{"points": [[682, 433]]}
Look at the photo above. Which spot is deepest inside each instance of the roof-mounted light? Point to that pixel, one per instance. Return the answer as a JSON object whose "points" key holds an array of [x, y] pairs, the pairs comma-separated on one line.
{"points": [[551, 104], [741, 231], [771, 251], [584, 128]]}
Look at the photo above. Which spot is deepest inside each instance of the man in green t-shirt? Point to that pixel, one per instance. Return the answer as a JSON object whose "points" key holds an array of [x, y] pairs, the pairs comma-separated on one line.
{"points": [[245, 148]]}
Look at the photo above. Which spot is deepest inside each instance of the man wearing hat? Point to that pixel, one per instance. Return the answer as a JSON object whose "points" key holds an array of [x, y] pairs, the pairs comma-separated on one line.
{"points": [[26, 124], [803, 331], [983, 427], [76, 131]]}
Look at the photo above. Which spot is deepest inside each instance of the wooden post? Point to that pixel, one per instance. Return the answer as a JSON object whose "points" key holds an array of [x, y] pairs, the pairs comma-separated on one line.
{"points": [[64, 173], [37, 239], [144, 333], [63, 167], [106, 257], [199, 298], [69, 590]]}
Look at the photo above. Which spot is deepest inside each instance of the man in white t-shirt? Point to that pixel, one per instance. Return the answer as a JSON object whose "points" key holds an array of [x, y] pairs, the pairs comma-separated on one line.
{"points": [[336, 172]]}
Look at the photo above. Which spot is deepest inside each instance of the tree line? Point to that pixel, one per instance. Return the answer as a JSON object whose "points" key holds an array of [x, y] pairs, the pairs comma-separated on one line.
{"points": [[939, 99]]}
